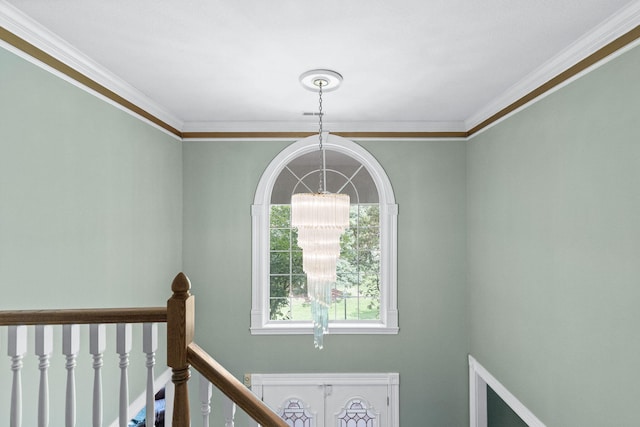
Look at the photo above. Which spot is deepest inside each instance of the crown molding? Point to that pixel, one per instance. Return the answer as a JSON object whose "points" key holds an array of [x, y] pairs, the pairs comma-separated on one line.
{"points": [[616, 26], [312, 127], [360, 136], [298, 130], [40, 46]]}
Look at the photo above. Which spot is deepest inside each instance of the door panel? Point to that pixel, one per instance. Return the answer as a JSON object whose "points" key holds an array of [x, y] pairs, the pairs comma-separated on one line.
{"points": [[357, 405], [309, 398]]}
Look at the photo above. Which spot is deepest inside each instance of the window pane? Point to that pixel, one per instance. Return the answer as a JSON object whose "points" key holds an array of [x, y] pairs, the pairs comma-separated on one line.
{"points": [[280, 262], [347, 281], [348, 264], [338, 309], [300, 309], [346, 308], [352, 308], [369, 215], [369, 238], [370, 308], [353, 216], [279, 309], [299, 286], [369, 262], [294, 240], [348, 239], [280, 216], [279, 301], [280, 239], [296, 262], [279, 286]]}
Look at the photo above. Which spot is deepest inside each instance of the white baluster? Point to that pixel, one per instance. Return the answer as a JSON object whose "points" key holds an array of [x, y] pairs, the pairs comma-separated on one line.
{"points": [[169, 394], [149, 346], [123, 337], [44, 347], [205, 399], [17, 347], [229, 409], [70, 347], [97, 345]]}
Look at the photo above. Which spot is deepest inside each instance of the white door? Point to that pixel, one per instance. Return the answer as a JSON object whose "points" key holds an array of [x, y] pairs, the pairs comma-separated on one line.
{"points": [[331, 400]]}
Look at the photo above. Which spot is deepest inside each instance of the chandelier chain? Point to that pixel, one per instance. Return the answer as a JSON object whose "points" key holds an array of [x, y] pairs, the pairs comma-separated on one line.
{"points": [[322, 186]]}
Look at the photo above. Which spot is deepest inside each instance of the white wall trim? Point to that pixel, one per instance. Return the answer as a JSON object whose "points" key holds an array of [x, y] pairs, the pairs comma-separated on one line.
{"points": [[615, 26], [260, 322], [32, 32], [479, 378]]}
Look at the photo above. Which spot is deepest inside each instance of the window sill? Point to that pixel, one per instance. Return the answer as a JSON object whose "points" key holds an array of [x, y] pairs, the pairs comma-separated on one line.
{"points": [[341, 328]]}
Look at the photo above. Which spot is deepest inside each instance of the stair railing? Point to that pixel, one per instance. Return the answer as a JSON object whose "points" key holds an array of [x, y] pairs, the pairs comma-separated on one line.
{"points": [[70, 321], [182, 353]]}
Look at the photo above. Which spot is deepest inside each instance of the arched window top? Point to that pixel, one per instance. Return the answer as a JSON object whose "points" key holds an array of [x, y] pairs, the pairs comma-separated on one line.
{"points": [[343, 174], [366, 291], [306, 149]]}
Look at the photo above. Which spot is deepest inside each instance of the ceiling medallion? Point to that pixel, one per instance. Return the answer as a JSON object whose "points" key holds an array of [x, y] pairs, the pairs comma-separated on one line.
{"points": [[328, 79]]}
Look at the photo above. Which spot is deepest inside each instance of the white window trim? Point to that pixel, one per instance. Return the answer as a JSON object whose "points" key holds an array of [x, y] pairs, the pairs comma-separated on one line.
{"points": [[260, 322]]}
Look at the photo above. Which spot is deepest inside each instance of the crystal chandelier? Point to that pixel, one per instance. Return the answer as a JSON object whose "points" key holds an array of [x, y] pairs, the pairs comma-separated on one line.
{"points": [[320, 218]]}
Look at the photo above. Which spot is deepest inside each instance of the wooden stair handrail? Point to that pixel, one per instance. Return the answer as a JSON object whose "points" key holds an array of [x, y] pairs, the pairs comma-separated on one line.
{"points": [[182, 351], [84, 316], [232, 387]]}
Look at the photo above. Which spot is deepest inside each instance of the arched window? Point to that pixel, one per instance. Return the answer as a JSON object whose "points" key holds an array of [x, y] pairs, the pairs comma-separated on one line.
{"points": [[364, 298]]}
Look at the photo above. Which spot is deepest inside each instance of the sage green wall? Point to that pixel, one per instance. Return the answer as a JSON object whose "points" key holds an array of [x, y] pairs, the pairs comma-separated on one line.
{"points": [[90, 216], [430, 352], [553, 250]]}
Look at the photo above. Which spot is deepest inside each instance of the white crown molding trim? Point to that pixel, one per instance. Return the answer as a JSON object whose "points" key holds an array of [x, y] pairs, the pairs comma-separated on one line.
{"points": [[479, 378], [21, 25], [623, 21], [312, 126]]}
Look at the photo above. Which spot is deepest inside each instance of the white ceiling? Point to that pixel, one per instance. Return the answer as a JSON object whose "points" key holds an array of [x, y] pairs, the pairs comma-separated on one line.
{"points": [[412, 65]]}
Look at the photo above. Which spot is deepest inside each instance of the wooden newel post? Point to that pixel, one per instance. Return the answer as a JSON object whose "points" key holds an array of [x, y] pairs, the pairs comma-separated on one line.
{"points": [[180, 329]]}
